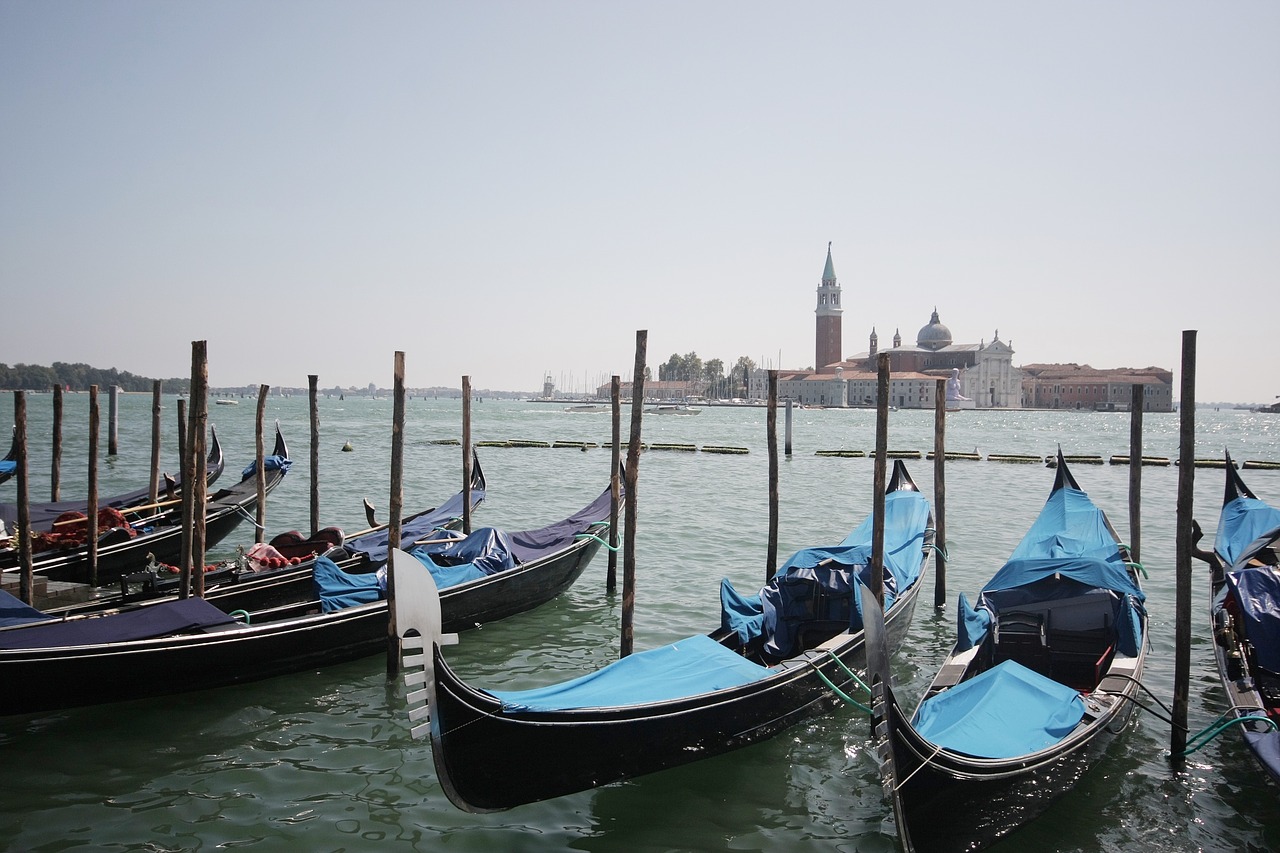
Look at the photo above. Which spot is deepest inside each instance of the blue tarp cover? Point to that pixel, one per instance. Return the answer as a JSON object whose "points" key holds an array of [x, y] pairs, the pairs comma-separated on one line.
{"points": [[269, 463], [337, 589], [8, 466], [156, 620], [1069, 525], [487, 550], [1266, 745], [686, 668], [1243, 522], [1005, 712], [1257, 591], [801, 584], [14, 612]]}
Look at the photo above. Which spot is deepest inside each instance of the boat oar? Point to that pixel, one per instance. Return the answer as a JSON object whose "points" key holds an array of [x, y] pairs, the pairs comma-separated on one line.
{"points": [[126, 510]]}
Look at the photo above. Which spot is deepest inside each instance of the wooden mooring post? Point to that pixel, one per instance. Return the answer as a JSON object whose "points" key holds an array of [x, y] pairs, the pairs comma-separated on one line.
{"points": [[466, 454], [55, 464], [91, 511], [153, 484], [113, 420], [197, 484], [26, 580], [1135, 472], [184, 475], [396, 509], [940, 494], [627, 639], [615, 482], [260, 517], [786, 438], [313, 381], [881, 467], [1182, 597], [771, 439]]}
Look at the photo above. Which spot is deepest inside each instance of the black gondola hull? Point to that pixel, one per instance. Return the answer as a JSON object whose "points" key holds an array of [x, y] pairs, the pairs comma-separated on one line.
{"points": [[47, 679], [474, 740]]}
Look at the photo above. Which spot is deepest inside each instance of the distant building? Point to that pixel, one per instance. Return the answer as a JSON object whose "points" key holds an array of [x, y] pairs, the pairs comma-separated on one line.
{"points": [[987, 374], [1079, 386], [828, 347]]}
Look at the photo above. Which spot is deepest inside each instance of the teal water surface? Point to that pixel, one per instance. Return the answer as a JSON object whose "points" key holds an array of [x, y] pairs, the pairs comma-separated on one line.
{"points": [[322, 761]]}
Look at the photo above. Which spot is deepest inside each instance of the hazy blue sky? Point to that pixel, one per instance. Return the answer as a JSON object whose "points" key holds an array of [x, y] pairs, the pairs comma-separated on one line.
{"points": [[507, 189]]}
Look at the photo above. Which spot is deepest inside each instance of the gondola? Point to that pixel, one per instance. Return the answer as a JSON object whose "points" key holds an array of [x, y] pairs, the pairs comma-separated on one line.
{"points": [[149, 529], [43, 516], [252, 582], [9, 464], [777, 659], [174, 646], [1040, 680], [1244, 606]]}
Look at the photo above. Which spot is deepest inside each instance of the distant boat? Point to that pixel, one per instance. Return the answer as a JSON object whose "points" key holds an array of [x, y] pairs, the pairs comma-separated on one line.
{"points": [[598, 407], [227, 402], [673, 409]]}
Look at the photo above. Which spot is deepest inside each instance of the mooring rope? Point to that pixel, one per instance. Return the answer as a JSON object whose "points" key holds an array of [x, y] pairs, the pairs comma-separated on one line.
{"points": [[614, 548], [1218, 726]]}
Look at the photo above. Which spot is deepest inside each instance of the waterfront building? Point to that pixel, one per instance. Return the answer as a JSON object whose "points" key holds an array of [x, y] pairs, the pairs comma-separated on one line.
{"points": [[1079, 386]]}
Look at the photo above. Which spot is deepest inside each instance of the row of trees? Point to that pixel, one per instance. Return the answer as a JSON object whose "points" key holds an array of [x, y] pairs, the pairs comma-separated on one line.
{"points": [[691, 368], [78, 377]]}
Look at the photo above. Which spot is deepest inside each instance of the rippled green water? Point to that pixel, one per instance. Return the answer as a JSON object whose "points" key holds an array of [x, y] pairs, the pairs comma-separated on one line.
{"points": [[322, 760]]}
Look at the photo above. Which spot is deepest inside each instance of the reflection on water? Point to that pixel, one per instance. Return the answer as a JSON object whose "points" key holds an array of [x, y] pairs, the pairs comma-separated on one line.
{"points": [[323, 761]]}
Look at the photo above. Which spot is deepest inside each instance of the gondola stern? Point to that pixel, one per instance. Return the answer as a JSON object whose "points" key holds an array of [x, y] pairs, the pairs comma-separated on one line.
{"points": [[1063, 477], [1235, 487]]}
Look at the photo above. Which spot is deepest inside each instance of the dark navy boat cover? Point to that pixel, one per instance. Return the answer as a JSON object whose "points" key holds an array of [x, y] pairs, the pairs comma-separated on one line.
{"points": [[13, 611], [269, 463], [1257, 591], [374, 545], [156, 620]]}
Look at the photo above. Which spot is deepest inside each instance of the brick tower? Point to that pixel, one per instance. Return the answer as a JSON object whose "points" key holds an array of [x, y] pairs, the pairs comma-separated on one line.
{"points": [[828, 349]]}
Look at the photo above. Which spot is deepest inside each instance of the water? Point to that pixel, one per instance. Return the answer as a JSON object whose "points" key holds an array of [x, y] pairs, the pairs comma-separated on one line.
{"points": [[323, 761]]}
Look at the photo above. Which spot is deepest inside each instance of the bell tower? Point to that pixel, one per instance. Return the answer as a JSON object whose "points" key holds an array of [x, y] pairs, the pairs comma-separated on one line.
{"points": [[828, 344]]}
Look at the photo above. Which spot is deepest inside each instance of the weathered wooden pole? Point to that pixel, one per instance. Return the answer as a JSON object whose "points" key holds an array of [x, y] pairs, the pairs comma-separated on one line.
{"points": [[615, 482], [260, 517], [940, 494], [1135, 472], [113, 424], [91, 511], [1186, 486], [184, 475], [466, 454], [787, 431], [26, 580], [196, 450], [55, 465], [396, 501], [313, 381], [771, 439], [882, 455], [632, 473], [153, 487]]}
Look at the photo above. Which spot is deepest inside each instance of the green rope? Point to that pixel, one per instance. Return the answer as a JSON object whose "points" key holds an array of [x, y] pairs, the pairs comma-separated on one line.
{"points": [[234, 613], [942, 551], [1139, 567], [845, 696], [849, 672], [1218, 727], [613, 548]]}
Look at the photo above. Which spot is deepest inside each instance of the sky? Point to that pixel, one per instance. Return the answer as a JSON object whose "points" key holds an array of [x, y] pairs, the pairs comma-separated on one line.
{"points": [[507, 190]]}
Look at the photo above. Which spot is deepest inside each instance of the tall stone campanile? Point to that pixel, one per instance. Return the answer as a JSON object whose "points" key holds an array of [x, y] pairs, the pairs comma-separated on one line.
{"points": [[828, 349]]}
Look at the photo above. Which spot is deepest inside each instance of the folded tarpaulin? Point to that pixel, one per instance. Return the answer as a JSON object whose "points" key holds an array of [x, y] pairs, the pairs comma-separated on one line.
{"points": [[374, 545], [1005, 712], [337, 589], [8, 466], [151, 621], [741, 613], [689, 667], [487, 550], [269, 463]]}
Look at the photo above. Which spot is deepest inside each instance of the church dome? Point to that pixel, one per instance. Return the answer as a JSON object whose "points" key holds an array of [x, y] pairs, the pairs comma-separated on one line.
{"points": [[935, 335]]}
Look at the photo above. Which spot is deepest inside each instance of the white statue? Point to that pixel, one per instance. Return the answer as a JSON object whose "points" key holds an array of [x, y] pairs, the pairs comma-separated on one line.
{"points": [[953, 386]]}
